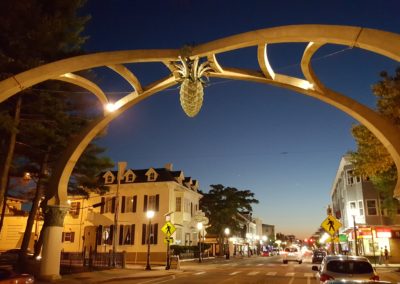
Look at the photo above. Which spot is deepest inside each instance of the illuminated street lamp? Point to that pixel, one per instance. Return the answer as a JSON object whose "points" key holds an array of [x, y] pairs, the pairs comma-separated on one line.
{"points": [[150, 215], [354, 213], [199, 227], [227, 232]]}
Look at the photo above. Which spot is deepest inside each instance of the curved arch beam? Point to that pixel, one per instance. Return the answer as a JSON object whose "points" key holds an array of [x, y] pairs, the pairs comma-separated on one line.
{"points": [[384, 43], [128, 76], [49, 71], [306, 67], [263, 61], [84, 83], [60, 176]]}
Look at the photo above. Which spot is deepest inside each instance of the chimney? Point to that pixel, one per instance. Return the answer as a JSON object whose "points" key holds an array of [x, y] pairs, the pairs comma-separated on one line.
{"points": [[168, 166]]}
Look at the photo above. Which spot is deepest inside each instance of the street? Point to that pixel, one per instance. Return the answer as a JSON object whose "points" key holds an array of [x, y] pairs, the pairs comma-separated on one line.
{"points": [[249, 270]]}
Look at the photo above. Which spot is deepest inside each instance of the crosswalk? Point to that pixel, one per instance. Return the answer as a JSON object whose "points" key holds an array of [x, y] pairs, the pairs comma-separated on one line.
{"points": [[269, 273]]}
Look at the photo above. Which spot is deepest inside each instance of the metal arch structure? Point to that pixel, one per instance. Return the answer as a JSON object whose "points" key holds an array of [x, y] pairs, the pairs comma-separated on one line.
{"points": [[380, 42]]}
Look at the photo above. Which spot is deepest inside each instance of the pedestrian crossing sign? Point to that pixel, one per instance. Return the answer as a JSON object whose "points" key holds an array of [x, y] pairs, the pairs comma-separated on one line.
{"points": [[168, 228], [331, 225]]}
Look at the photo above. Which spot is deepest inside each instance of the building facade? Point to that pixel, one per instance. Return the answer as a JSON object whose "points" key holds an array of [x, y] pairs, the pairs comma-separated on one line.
{"points": [[118, 217], [357, 204]]}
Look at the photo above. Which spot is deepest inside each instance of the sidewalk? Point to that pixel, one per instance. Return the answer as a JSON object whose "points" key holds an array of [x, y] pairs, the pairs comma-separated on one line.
{"points": [[104, 276], [132, 271]]}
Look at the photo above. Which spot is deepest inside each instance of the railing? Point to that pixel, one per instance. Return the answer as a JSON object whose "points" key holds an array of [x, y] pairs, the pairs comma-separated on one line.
{"points": [[73, 261]]}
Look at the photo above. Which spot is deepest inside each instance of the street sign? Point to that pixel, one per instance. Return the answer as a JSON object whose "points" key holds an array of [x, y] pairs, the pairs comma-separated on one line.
{"points": [[168, 240], [331, 225], [168, 229]]}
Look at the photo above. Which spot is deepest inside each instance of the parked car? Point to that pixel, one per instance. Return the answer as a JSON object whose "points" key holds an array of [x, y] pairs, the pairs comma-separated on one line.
{"points": [[292, 254], [10, 257], [343, 267], [8, 276], [318, 256]]}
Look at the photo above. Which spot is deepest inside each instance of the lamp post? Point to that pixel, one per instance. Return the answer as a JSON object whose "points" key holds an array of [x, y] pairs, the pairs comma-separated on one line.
{"points": [[199, 227], [227, 232], [150, 215]]}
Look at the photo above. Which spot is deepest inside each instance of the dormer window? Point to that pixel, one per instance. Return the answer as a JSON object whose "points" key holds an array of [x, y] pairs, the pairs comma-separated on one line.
{"points": [[109, 179], [129, 178], [151, 177]]}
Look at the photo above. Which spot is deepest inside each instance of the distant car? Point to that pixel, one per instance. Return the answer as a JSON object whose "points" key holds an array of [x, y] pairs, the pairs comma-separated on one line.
{"points": [[292, 254], [266, 253], [318, 256], [343, 267], [8, 276]]}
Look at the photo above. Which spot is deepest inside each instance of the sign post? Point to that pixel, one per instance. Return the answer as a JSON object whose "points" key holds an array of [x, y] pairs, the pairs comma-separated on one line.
{"points": [[168, 229]]}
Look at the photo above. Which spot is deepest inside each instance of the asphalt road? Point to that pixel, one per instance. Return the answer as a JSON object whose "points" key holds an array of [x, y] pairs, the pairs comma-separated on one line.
{"points": [[249, 270]]}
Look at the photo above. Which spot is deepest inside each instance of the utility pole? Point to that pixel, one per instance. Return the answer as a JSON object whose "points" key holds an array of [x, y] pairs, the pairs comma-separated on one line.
{"points": [[121, 170]]}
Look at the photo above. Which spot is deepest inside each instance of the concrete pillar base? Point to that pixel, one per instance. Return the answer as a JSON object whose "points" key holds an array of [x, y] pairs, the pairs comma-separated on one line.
{"points": [[51, 254]]}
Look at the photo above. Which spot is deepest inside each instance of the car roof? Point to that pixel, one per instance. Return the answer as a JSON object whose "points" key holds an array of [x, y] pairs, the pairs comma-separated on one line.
{"points": [[346, 257]]}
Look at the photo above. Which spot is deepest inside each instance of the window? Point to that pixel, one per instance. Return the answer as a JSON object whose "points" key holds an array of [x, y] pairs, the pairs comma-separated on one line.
{"points": [[178, 204], [129, 177], [371, 207], [351, 178], [186, 205], [75, 208], [109, 205], [128, 204], [152, 177], [352, 205], [153, 234], [109, 179], [361, 207], [127, 234], [68, 237], [151, 202]]}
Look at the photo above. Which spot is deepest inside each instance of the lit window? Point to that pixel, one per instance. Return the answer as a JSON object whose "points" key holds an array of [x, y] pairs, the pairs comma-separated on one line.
{"points": [[68, 237]]}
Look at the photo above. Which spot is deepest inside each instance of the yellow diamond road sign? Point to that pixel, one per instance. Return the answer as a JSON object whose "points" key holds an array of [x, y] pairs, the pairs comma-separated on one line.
{"points": [[331, 225], [168, 229]]}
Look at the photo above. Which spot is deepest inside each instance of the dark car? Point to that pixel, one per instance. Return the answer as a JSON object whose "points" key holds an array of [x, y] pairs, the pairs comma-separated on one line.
{"points": [[9, 276], [318, 256]]}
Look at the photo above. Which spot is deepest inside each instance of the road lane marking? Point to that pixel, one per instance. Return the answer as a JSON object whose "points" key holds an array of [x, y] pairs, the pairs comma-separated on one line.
{"points": [[199, 273], [289, 274], [234, 273], [291, 280], [260, 264], [271, 273], [308, 274], [253, 273]]}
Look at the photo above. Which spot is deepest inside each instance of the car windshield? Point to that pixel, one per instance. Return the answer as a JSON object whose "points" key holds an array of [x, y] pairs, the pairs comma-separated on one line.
{"points": [[349, 267], [319, 253]]}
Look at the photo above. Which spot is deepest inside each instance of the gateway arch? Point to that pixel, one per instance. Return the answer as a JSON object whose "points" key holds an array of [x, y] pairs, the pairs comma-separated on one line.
{"points": [[380, 42]]}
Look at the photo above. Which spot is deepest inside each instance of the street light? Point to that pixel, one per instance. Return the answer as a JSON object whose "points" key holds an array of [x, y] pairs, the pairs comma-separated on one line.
{"points": [[227, 232], [354, 213], [150, 215], [199, 227]]}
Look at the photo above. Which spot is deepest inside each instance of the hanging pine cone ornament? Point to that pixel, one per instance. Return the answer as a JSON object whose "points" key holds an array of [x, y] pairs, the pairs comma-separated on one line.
{"points": [[191, 91]]}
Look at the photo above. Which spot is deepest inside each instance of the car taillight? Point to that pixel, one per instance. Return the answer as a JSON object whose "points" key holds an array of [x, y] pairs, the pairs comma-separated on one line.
{"points": [[325, 277], [375, 278]]}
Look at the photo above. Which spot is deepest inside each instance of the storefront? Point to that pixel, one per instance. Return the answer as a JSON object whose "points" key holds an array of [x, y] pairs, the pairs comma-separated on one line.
{"points": [[371, 240]]}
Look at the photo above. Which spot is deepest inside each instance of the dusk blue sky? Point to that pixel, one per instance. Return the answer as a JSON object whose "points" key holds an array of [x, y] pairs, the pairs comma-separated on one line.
{"points": [[283, 146]]}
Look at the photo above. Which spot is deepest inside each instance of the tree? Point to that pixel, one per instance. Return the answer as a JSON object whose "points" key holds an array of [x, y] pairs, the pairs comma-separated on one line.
{"points": [[371, 159], [33, 32], [221, 205]]}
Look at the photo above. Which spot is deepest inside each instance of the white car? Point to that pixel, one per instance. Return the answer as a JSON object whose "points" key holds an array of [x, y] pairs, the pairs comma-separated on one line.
{"points": [[292, 254], [343, 267]]}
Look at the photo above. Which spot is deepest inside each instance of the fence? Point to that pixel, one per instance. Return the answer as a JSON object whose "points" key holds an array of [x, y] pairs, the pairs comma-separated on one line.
{"points": [[73, 261]]}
